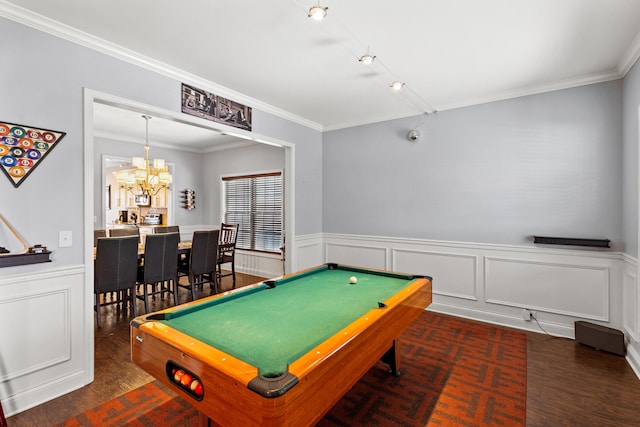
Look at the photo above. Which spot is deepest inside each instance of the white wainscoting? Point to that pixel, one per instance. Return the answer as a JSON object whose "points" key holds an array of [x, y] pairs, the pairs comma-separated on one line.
{"points": [[43, 337], [308, 250], [491, 283], [631, 312], [494, 283], [259, 264]]}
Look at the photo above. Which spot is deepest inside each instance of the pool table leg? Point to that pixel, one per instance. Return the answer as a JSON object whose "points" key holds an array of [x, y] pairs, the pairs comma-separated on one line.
{"points": [[392, 358], [206, 421]]}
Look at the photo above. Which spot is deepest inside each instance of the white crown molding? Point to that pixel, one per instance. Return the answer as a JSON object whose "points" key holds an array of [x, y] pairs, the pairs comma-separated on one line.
{"points": [[47, 25], [630, 57], [375, 120], [535, 90]]}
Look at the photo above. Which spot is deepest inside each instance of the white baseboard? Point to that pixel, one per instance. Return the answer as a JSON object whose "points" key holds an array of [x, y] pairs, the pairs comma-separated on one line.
{"points": [[515, 322], [38, 395], [633, 358]]}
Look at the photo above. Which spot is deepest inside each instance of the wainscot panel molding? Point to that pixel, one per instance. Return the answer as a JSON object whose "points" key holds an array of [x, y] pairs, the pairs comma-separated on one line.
{"points": [[457, 273], [631, 311], [630, 305], [494, 283], [356, 254], [529, 284], [308, 249], [43, 318]]}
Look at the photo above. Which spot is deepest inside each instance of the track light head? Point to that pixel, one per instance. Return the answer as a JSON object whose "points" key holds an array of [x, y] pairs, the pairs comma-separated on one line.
{"points": [[317, 12]]}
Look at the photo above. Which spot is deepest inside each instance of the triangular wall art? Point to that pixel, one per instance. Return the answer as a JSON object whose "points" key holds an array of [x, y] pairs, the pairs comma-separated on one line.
{"points": [[22, 148]]}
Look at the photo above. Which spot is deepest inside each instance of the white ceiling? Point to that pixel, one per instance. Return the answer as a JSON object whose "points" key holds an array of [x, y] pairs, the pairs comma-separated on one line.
{"points": [[129, 126], [271, 56]]}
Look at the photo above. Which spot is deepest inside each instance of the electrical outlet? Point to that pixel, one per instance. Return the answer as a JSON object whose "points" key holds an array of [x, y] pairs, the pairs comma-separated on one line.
{"points": [[527, 314]]}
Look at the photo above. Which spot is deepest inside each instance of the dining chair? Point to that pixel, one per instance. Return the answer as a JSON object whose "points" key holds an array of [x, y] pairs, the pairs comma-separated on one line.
{"points": [[159, 273], [116, 269], [167, 229], [201, 264], [97, 234], [128, 231], [227, 251]]}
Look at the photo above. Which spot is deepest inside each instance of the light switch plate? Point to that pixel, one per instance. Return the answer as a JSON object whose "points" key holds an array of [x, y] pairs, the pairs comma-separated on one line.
{"points": [[64, 239]]}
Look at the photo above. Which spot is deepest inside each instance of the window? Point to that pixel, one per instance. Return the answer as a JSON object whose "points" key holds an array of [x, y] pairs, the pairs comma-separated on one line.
{"points": [[255, 202]]}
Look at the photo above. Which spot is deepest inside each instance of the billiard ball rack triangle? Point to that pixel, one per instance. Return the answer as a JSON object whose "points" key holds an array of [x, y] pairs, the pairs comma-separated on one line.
{"points": [[23, 148]]}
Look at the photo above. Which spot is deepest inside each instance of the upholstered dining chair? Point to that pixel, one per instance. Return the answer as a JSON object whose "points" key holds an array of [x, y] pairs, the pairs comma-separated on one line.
{"points": [[227, 251], [115, 271], [167, 229], [128, 231], [159, 273], [201, 265]]}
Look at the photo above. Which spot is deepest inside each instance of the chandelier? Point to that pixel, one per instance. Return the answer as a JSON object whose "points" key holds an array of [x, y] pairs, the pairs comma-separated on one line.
{"points": [[145, 179]]}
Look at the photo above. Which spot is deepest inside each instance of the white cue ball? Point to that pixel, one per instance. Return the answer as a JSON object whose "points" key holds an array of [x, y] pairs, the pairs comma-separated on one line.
{"points": [[353, 280]]}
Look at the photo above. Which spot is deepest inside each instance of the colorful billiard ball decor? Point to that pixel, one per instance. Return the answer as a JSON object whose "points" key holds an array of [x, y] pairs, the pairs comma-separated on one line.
{"points": [[23, 147]]}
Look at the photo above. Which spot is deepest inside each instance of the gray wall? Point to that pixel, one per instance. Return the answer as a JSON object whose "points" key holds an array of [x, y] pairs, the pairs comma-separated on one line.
{"points": [[242, 160], [49, 94], [630, 161], [308, 181], [547, 164]]}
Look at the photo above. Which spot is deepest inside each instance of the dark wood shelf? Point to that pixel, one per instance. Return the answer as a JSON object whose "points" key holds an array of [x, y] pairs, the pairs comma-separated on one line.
{"points": [[12, 260], [597, 243]]}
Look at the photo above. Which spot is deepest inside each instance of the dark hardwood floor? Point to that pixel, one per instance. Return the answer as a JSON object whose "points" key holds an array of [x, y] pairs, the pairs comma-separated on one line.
{"points": [[568, 384]]}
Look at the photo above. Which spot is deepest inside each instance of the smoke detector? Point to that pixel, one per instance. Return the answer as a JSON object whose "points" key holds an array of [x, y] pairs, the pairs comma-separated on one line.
{"points": [[413, 136]]}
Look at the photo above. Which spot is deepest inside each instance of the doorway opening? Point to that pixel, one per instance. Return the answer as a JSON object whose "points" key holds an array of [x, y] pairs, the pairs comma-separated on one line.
{"points": [[95, 189]]}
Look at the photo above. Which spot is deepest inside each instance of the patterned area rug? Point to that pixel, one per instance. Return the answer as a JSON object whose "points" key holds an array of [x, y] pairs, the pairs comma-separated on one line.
{"points": [[454, 373]]}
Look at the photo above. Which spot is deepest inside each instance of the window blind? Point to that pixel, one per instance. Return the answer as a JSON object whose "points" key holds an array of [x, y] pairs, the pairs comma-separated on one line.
{"points": [[255, 202]]}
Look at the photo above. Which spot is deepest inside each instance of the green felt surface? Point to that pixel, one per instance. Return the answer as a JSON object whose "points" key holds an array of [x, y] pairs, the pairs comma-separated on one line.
{"points": [[269, 328]]}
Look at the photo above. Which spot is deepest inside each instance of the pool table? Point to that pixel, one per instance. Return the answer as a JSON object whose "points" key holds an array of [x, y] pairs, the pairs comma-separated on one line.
{"points": [[280, 352]]}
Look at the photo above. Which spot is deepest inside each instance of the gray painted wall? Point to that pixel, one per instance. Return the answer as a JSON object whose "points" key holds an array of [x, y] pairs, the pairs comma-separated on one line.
{"points": [[49, 94], [242, 160], [308, 181], [547, 164], [630, 161]]}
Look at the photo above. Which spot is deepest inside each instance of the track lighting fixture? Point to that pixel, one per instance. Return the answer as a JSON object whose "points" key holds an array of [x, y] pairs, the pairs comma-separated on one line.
{"points": [[318, 12], [367, 59], [396, 85]]}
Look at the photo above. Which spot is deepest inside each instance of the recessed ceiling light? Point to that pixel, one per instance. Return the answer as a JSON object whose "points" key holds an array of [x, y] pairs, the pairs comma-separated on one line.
{"points": [[318, 12]]}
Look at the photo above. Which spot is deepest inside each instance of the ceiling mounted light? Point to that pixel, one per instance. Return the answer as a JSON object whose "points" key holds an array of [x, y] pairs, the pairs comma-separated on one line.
{"points": [[396, 85], [318, 12], [367, 58]]}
